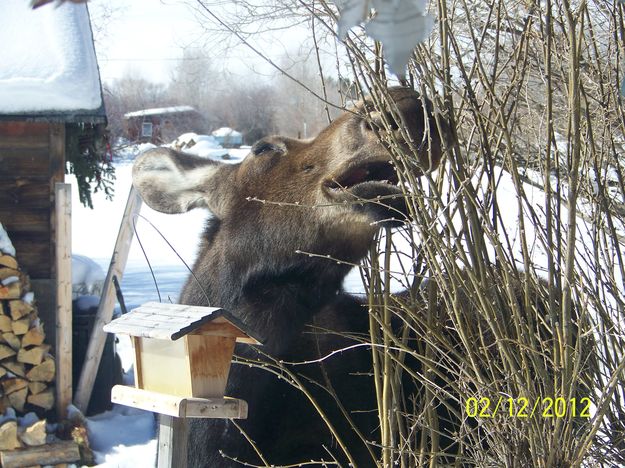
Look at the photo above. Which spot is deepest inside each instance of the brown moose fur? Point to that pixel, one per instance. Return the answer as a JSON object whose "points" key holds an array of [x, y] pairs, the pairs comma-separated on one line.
{"points": [[287, 197]]}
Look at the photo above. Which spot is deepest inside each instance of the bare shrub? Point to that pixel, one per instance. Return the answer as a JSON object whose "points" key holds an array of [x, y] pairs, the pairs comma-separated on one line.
{"points": [[506, 347]]}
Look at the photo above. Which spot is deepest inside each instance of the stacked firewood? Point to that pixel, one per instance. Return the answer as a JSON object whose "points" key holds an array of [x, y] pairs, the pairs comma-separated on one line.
{"points": [[27, 370], [29, 432]]}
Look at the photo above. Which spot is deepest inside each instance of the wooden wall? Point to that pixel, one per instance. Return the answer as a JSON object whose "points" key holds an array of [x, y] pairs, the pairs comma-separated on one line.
{"points": [[32, 160]]}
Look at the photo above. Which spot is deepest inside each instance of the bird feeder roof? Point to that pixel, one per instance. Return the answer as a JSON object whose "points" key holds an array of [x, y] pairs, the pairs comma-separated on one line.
{"points": [[173, 321]]}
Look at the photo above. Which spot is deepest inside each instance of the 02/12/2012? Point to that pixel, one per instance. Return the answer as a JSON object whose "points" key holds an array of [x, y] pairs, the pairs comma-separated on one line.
{"points": [[525, 408]]}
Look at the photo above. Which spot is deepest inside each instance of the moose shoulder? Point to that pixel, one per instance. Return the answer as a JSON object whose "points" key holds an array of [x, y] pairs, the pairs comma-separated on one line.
{"points": [[324, 196]]}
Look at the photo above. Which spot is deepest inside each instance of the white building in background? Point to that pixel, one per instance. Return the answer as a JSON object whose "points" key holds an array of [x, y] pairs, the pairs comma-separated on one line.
{"points": [[227, 137]]}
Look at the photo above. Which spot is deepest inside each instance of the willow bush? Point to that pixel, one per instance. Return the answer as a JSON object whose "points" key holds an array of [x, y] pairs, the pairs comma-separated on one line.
{"points": [[511, 319], [516, 284]]}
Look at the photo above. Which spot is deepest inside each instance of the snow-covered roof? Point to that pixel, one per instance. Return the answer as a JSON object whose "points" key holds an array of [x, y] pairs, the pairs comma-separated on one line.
{"points": [[172, 321], [226, 131], [48, 63], [159, 110]]}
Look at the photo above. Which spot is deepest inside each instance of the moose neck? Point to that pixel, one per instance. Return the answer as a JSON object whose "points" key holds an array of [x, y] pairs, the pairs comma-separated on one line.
{"points": [[276, 299]]}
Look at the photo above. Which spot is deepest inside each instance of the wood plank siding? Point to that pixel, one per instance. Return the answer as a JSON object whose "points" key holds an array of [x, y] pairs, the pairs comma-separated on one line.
{"points": [[32, 160]]}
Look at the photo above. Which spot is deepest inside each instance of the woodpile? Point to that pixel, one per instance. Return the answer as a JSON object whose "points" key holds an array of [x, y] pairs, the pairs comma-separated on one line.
{"points": [[27, 375], [29, 434], [27, 370], [25, 442]]}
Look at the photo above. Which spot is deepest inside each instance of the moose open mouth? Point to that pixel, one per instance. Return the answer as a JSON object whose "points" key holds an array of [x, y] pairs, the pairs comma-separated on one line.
{"points": [[379, 172]]}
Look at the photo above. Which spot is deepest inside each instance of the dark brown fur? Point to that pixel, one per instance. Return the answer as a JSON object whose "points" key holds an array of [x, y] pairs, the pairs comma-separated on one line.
{"points": [[285, 198]]}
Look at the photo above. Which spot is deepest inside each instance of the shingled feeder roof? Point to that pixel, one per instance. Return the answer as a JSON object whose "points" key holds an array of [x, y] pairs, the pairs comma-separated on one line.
{"points": [[170, 321]]}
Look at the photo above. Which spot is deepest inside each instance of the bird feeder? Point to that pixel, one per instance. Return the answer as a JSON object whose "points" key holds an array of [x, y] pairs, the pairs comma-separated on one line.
{"points": [[182, 357]]}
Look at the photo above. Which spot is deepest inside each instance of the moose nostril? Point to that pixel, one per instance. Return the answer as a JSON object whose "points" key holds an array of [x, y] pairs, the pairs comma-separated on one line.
{"points": [[262, 147]]}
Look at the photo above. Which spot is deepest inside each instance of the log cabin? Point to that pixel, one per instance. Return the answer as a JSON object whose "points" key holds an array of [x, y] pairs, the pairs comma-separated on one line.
{"points": [[162, 125], [50, 93]]}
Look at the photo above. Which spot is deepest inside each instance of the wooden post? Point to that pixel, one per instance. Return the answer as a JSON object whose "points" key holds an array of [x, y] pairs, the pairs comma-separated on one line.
{"points": [[172, 442], [63, 298], [107, 302]]}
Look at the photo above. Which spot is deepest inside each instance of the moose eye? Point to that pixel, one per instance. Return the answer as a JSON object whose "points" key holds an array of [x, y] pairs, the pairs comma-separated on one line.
{"points": [[263, 147]]}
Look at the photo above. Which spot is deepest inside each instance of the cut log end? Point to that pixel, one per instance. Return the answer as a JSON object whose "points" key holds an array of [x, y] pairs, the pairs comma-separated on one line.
{"points": [[8, 261], [44, 372], [35, 434], [32, 356], [17, 399], [19, 308], [34, 337], [8, 436], [11, 291], [43, 399]]}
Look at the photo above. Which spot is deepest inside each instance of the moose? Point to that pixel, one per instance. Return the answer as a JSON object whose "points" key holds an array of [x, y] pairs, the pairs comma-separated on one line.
{"points": [[285, 202]]}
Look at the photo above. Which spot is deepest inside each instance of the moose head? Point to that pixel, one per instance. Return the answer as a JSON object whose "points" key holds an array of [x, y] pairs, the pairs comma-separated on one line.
{"points": [[327, 192]]}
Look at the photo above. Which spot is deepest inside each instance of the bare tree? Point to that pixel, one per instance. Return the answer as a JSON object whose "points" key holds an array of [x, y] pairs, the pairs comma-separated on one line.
{"points": [[194, 81], [299, 113], [129, 94], [248, 108]]}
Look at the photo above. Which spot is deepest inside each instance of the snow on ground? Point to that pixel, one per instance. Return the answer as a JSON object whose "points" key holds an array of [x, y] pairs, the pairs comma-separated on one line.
{"points": [[87, 277], [94, 231], [124, 150], [48, 60], [126, 437], [204, 146], [123, 437], [225, 131], [587, 264]]}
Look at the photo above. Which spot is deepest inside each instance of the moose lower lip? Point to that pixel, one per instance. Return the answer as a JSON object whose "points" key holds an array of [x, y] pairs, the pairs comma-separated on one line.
{"points": [[381, 172], [338, 189], [369, 190]]}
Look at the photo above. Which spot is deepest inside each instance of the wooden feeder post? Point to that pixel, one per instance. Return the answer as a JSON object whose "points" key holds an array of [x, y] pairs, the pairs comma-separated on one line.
{"points": [[63, 298], [182, 358]]}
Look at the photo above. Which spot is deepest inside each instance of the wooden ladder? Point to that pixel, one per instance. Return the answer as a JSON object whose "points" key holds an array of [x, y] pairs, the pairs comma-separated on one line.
{"points": [[104, 315]]}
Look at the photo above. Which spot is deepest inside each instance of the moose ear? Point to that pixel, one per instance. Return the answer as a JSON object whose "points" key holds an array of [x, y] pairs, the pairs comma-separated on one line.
{"points": [[173, 182]]}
